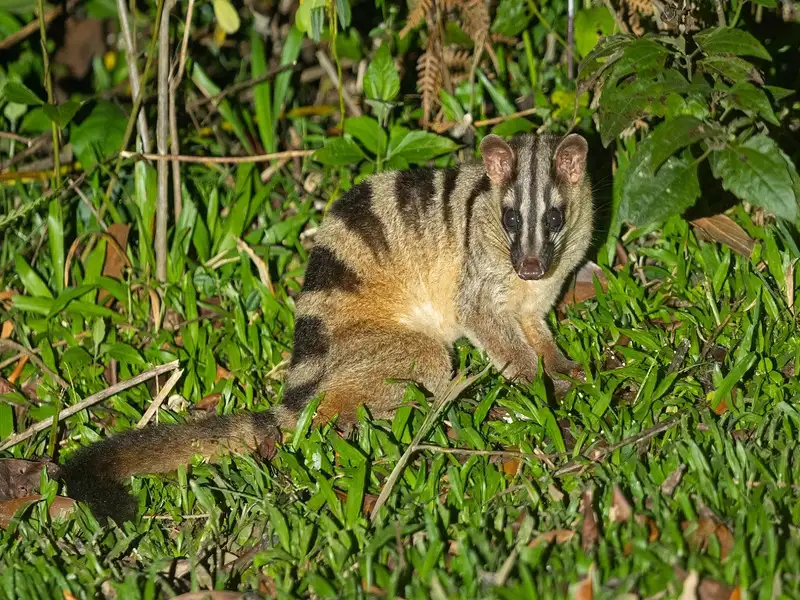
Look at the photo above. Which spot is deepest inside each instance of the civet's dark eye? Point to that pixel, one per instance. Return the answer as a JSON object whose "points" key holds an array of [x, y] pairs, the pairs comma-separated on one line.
{"points": [[510, 220], [554, 219]]}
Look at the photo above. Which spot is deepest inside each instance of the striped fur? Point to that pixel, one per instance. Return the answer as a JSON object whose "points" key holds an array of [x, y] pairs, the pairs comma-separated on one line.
{"points": [[404, 264]]}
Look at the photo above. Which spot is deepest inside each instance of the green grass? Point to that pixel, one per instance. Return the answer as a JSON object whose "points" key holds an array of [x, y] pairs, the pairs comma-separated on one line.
{"points": [[453, 522]]}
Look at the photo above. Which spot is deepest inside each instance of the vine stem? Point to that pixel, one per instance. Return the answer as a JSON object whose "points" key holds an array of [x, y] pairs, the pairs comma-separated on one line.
{"points": [[48, 84]]}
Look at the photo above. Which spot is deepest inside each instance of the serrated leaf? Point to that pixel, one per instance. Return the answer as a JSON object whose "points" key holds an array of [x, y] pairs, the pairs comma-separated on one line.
{"points": [[381, 81], [339, 152], [670, 136], [756, 172], [367, 131], [61, 114], [607, 51], [420, 146], [620, 107], [749, 98], [725, 40], [732, 68], [227, 16], [14, 91], [648, 198]]}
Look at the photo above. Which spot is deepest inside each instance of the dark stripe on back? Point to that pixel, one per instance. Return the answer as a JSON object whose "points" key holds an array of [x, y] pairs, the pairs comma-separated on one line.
{"points": [[450, 177], [311, 339], [414, 193], [482, 186], [354, 208], [296, 397], [326, 272]]}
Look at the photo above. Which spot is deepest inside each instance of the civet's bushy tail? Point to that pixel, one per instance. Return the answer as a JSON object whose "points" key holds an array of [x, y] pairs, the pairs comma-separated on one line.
{"points": [[97, 473]]}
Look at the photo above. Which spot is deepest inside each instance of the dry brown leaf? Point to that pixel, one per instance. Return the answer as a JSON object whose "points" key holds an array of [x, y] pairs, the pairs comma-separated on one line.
{"points": [[695, 588], [671, 482], [8, 329], [222, 373], [7, 295], [209, 402], [210, 595], [620, 511], [115, 255], [721, 228], [584, 590], [699, 532], [61, 507], [83, 40], [366, 504], [20, 478], [589, 532], [511, 467], [582, 287], [17, 372], [557, 536]]}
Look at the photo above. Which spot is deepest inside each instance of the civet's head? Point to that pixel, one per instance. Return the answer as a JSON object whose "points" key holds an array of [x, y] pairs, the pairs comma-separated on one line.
{"points": [[544, 192]]}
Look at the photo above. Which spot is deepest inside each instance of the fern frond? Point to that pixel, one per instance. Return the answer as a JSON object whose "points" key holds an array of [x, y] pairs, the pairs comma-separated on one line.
{"points": [[417, 16]]}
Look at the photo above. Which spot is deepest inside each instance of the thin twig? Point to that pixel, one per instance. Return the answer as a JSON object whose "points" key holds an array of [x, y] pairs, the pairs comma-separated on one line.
{"points": [[503, 118], [471, 452], [48, 85], [330, 71], [93, 399], [456, 387], [219, 160], [263, 271], [31, 27], [159, 399], [133, 71], [8, 344], [241, 86], [17, 138], [574, 466], [75, 188], [720, 13], [162, 127]]}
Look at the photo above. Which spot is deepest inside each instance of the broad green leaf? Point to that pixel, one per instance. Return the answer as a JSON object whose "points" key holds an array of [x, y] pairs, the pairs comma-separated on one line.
{"points": [[344, 13], [604, 54], [30, 279], [381, 81], [619, 108], [648, 198], [732, 68], [340, 152], [367, 131], [61, 114], [355, 494], [756, 172], [126, 353], [420, 146], [512, 17], [227, 16], [725, 40], [590, 25], [14, 91], [35, 304], [99, 135], [304, 12], [670, 136], [748, 97]]}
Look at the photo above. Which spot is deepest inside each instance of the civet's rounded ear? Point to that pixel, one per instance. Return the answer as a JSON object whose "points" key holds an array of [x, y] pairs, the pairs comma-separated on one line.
{"points": [[570, 158], [498, 158]]}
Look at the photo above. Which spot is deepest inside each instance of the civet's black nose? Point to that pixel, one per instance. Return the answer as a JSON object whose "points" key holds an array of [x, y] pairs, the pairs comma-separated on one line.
{"points": [[531, 268]]}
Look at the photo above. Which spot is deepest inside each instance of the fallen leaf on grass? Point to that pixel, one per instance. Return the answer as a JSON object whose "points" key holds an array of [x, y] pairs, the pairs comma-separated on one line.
{"points": [[589, 532], [7, 330], [210, 595], [20, 478], [17, 372], [209, 402], [721, 228], [699, 533], [366, 504], [115, 255], [584, 590], [671, 482], [222, 373], [620, 510], [61, 507], [582, 287], [695, 588], [557, 536]]}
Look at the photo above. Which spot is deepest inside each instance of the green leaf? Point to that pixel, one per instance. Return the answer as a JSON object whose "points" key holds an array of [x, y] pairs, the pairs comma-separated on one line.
{"points": [[14, 91], [30, 279], [227, 16], [648, 199], [749, 98], [757, 173], [262, 93], [99, 135], [381, 81], [304, 422], [369, 132], [724, 40], [61, 114], [732, 378], [355, 494], [344, 13], [670, 136], [340, 152], [302, 17], [205, 83], [620, 107], [420, 146], [590, 26], [127, 354], [504, 105], [732, 68], [55, 237], [607, 51], [512, 17]]}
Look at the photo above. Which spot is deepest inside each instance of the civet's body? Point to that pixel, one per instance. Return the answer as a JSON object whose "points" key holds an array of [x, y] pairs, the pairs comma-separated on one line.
{"points": [[404, 264]]}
